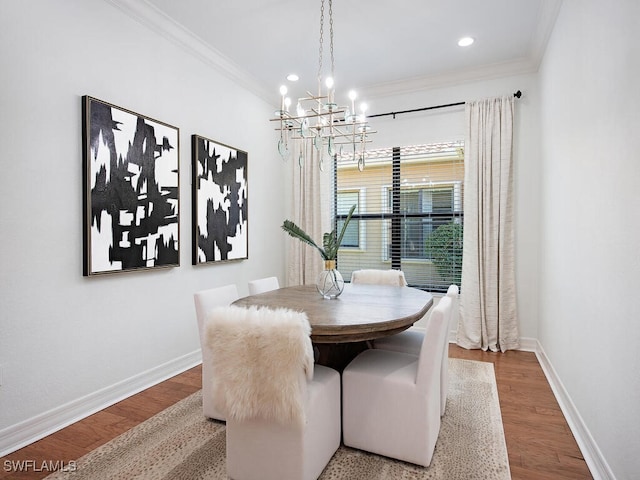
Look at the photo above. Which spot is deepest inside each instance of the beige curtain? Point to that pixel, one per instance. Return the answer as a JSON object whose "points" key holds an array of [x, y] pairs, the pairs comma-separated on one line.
{"points": [[312, 207], [488, 295]]}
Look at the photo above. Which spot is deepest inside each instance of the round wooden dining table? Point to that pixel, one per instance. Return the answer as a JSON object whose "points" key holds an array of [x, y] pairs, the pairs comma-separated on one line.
{"points": [[361, 313]]}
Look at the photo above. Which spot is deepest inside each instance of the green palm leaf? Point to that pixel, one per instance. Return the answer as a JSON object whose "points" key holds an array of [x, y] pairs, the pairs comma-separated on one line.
{"points": [[344, 226], [330, 243], [296, 232]]}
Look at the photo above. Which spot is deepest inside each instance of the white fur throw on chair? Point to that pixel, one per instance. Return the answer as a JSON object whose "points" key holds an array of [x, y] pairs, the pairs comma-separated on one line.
{"points": [[379, 277], [259, 358]]}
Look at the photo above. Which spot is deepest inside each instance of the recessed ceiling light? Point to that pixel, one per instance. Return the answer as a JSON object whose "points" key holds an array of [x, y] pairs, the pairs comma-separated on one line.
{"points": [[465, 41], [292, 77]]}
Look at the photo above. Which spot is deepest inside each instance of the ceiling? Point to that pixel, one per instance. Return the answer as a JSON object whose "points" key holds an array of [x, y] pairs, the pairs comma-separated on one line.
{"points": [[381, 47]]}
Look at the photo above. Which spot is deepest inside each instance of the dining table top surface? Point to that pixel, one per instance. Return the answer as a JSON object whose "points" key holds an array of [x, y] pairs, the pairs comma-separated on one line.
{"points": [[362, 312]]}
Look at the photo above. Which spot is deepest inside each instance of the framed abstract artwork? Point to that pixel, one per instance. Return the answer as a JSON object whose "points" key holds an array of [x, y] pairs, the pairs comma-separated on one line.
{"points": [[131, 190], [219, 202]]}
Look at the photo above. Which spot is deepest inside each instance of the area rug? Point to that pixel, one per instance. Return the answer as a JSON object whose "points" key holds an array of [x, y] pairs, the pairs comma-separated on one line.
{"points": [[179, 443]]}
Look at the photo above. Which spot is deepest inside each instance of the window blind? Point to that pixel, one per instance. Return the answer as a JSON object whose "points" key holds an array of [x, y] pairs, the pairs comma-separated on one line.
{"points": [[408, 213]]}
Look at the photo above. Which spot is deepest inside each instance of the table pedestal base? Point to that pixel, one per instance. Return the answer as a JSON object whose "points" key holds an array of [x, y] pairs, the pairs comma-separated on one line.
{"points": [[337, 355]]}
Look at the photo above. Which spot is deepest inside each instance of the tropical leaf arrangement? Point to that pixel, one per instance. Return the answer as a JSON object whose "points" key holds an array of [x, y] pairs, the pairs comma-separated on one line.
{"points": [[330, 241]]}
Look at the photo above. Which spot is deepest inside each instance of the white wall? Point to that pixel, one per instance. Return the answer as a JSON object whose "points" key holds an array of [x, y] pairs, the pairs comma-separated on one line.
{"points": [[65, 338], [590, 222], [68, 342], [448, 124]]}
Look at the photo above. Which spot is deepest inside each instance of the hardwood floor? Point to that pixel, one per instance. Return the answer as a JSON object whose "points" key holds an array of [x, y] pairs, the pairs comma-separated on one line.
{"points": [[539, 442]]}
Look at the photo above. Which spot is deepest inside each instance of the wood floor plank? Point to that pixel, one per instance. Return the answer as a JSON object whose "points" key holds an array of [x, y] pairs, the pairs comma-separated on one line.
{"points": [[540, 444]]}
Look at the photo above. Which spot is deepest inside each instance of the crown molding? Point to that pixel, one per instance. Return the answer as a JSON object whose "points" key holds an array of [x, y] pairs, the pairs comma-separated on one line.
{"points": [[156, 20], [548, 14], [470, 75]]}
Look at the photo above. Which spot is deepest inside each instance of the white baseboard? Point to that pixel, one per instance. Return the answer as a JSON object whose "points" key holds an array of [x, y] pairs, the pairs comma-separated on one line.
{"points": [[528, 344], [28, 431], [596, 462]]}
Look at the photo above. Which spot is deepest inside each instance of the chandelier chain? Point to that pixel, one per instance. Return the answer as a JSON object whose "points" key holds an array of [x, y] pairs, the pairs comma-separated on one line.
{"points": [[331, 36], [321, 40]]}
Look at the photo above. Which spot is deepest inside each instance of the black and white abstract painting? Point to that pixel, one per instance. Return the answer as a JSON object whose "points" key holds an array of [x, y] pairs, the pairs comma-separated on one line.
{"points": [[131, 206], [219, 202]]}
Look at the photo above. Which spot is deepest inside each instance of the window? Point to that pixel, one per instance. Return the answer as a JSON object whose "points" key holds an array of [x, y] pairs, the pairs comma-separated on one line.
{"points": [[416, 205], [409, 213], [344, 202]]}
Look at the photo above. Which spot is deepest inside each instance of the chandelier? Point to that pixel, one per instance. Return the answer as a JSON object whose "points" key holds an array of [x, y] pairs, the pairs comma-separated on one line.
{"points": [[318, 121]]}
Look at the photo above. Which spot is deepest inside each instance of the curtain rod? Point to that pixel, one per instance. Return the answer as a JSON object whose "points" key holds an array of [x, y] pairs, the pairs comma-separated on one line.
{"points": [[518, 94]]}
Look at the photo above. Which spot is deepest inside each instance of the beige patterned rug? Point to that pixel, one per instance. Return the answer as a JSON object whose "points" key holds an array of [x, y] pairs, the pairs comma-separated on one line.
{"points": [[179, 443]]}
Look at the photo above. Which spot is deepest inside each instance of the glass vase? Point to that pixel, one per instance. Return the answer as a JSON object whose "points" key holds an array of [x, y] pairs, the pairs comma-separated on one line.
{"points": [[330, 282]]}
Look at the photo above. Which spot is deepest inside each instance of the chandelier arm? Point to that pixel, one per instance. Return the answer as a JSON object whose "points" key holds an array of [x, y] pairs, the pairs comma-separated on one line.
{"points": [[313, 114]]}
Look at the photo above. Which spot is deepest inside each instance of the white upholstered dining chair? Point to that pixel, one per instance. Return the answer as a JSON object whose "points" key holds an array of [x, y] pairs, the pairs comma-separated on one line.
{"points": [[282, 411], [410, 341], [379, 277], [205, 301], [262, 285], [391, 400]]}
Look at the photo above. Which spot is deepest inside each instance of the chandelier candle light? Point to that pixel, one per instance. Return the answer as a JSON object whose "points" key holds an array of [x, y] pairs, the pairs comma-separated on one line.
{"points": [[319, 120]]}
